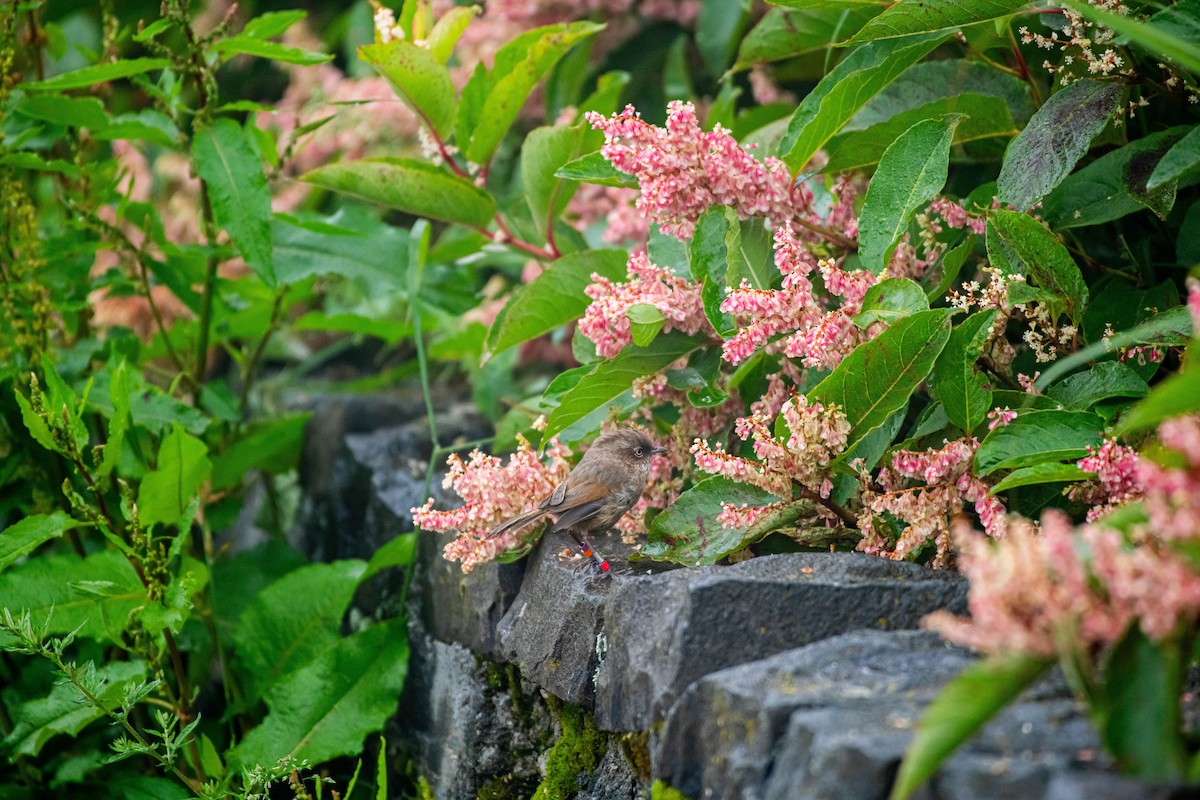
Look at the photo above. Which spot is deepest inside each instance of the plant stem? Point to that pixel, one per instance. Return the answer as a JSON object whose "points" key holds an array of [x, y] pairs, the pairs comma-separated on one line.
{"points": [[252, 362], [842, 514], [827, 233]]}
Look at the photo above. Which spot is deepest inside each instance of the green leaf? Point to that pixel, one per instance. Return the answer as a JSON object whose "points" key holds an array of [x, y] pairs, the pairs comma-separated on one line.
{"points": [[963, 391], [118, 421], [272, 445], [1057, 136], [594, 168], [1158, 37], [291, 623], [270, 24], [1170, 327], [418, 78], [226, 158], [94, 594], [519, 66], [912, 171], [1178, 394], [77, 112], [399, 552], [1038, 436], [64, 711], [610, 378], [411, 186], [688, 532], [448, 30], [983, 117], [364, 250], [961, 709], [183, 465], [26, 535], [845, 90], [719, 263], [148, 125], [275, 51], [36, 426], [1183, 157], [553, 298], [719, 26], [785, 33], [1106, 380], [1114, 185], [100, 73], [1038, 474], [879, 376], [544, 152], [891, 300], [909, 17], [1141, 716], [327, 707], [1037, 253], [645, 322]]}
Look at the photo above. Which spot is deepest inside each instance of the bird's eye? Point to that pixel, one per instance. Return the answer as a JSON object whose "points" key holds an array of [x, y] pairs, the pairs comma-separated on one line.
{"points": [[639, 451]]}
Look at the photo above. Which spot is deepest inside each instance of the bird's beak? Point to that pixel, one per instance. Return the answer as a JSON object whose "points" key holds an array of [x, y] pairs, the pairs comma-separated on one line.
{"points": [[658, 448]]}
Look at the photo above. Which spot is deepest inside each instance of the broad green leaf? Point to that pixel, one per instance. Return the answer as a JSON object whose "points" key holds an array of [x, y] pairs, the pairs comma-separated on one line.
{"points": [[912, 170], [411, 186], [688, 532], [519, 66], [877, 379], [272, 445], [1018, 243], [1114, 185], [594, 168], [544, 152], [418, 78], [554, 298], [291, 623], [1104, 381], [785, 33], [982, 117], [118, 421], [226, 158], [959, 386], [363, 250], [951, 265], [1160, 37], [719, 26], [891, 300], [249, 45], [100, 73], [94, 594], [36, 426], [1167, 328], [448, 29], [148, 124], [610, 378], [77, 112], [1038, 436], [390, 331], [65, 711], [270, 24], [1140, 707], [645, 322], [1178, 394], [908, 17], [719, 263], [1037, 474], [1183, 157], [961, 709], [149, 406], [1057, 136], [26, 535], [845, 90], [399, 552], [326, 707], [182, 466], [238, 579]]}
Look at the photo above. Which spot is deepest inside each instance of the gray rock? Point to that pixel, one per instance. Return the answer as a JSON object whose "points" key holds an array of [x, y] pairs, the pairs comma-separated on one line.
{"points": [[723, 734], [613, 779], [1096, 785], [665, 631], [552, 631]]}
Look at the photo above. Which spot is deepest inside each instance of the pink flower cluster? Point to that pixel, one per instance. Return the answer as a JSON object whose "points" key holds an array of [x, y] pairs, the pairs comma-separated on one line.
{"points": [[683, 170], [605, 321], [1193, 305], [493, 492], [1081, 588], [793, 319], [1116, 482], [817, 435], [946, 485]]}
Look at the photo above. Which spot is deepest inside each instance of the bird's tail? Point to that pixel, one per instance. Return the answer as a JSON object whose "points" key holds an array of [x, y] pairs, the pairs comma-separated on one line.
{"points": [[519, 521]]}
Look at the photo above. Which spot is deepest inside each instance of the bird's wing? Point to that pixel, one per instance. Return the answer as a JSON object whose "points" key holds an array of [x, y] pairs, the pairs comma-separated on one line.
{"points": [[581, 501]]}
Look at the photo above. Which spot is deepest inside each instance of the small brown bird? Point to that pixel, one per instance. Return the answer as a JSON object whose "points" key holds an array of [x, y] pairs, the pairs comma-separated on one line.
{"points": [[605, 484]]}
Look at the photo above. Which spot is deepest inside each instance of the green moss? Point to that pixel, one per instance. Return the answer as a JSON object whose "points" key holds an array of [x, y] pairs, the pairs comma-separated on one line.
{"points": [[424, 790], [636, 749], [577, 752], [661, 791], [505, 787]]}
